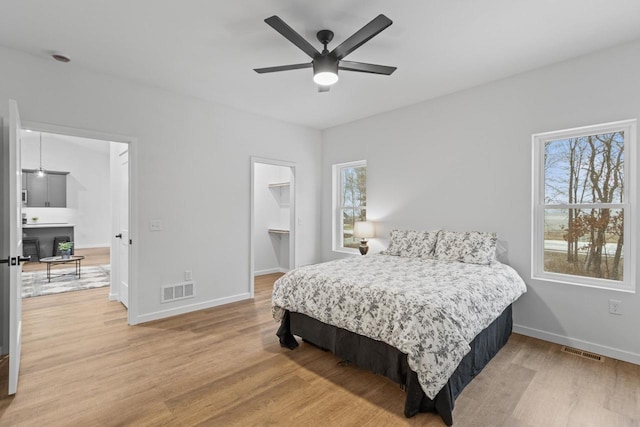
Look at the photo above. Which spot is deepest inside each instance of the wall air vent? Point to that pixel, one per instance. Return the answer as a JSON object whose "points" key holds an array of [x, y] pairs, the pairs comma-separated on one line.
{"points": [[177, 292], [582, 353]]}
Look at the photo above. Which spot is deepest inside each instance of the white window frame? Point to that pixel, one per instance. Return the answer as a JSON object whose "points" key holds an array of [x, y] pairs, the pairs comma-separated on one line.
{"points": [[538, 206], [337, 222]]}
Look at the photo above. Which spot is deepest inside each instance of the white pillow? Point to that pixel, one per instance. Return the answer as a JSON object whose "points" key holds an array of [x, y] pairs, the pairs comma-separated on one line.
{"points": [[472, 247], [412, 244]]}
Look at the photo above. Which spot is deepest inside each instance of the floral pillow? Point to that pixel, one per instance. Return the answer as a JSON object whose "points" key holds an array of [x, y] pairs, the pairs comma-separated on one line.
{"points": [[412, 244], [472, 247]]}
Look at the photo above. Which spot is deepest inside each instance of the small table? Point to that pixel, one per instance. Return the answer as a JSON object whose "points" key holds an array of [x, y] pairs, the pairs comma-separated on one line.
{"points": [[59, 260]]}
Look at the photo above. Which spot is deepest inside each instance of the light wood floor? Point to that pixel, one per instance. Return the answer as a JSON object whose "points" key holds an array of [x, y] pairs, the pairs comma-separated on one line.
{"points": [[83, 366], [92, 256]]}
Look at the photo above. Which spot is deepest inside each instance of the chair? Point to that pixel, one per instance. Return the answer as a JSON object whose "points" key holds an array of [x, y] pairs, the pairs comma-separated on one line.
{"points": [[31, 247], [60, 239]]}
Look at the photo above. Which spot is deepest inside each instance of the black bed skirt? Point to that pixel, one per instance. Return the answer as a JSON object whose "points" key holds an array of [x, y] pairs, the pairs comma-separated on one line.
{"points": [[386, 360]]}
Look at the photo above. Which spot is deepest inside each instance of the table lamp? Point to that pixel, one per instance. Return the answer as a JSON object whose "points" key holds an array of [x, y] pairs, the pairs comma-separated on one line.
{"points": [[364, 230]]}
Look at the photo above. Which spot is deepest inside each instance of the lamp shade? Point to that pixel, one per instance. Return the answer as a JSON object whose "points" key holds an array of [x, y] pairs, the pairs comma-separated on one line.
{"points": [[363, 229]]}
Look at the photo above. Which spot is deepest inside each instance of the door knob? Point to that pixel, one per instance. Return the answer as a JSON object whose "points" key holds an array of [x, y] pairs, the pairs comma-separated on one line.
{"points": [[119, 235]]}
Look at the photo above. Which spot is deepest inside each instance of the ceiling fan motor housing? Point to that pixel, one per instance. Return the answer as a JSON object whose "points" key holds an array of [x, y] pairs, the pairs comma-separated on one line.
{"points": [[325, 64]]}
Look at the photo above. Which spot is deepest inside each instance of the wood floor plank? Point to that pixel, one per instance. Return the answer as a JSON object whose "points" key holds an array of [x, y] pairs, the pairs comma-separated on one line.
{"points": [[83, 366]]}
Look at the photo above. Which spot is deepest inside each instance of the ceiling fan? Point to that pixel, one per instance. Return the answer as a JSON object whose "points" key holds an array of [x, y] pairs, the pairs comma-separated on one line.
{"points": [[326, 64]]}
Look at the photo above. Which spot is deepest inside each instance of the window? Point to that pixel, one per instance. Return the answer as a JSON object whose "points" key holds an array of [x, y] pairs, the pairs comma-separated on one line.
{"points": [[583, 210], [350, 203]]}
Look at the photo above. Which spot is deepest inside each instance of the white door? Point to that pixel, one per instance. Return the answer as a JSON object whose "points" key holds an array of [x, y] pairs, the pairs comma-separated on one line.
{"points": [[15, 247], [123, 220]]}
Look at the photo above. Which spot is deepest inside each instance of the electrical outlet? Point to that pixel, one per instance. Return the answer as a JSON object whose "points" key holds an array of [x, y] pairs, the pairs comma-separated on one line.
{"points": [[155, 225], [187, 275], [615, 306]]}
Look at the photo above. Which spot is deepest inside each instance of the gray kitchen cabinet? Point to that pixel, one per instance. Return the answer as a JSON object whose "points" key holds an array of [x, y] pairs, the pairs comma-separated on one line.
{"points": [[57, 190], [36, 190], [49, 191]]}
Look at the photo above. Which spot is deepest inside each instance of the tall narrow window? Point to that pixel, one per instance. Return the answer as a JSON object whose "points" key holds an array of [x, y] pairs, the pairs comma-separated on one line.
{"points": [[350, 203], [583, 211]]}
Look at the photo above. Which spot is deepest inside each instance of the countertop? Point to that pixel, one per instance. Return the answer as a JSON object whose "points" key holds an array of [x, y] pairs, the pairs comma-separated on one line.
{"points": [[48, 225]]}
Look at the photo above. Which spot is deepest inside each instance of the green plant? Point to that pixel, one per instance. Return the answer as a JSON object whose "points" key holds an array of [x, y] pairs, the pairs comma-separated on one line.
{"points": [[65, 246], [34, 218]]}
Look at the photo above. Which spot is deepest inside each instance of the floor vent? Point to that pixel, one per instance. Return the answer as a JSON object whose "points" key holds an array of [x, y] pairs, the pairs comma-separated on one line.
{"points": [[582, 353], [177, 292]]}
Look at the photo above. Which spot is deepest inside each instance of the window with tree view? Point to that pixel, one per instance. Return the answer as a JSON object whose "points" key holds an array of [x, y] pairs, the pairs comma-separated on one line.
{"points": [[350, 193], [582, 212]]}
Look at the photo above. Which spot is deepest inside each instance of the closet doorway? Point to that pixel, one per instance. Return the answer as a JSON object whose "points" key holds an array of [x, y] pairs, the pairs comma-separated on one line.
{"points": [[272, 217]]}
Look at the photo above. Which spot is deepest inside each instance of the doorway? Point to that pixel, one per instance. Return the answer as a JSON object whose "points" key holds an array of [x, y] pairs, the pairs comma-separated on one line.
{"points": [[92, 213], [273, 243]]}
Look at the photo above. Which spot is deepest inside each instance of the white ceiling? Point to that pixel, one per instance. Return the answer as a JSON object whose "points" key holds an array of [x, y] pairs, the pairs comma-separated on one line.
{"points": [[208, 49]]}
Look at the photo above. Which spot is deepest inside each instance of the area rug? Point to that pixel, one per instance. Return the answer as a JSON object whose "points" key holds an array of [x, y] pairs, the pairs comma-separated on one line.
{"points": [[34, 283]]}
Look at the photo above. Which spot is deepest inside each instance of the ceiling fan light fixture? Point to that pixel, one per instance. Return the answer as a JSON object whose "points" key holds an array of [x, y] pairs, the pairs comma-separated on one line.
{"points": [[325, 70], [325, 78]]}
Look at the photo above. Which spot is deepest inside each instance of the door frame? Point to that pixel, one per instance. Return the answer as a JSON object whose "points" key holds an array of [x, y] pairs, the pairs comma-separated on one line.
{"points": [[132, 312], [292, 216]]}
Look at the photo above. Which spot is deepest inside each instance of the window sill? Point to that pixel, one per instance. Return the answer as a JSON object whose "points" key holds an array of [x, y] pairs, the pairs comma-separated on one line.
{"points": [[614, 286]]}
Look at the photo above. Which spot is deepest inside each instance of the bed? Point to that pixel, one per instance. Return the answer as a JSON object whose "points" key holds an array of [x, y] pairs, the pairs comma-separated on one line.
{"points": [[428, 313]]}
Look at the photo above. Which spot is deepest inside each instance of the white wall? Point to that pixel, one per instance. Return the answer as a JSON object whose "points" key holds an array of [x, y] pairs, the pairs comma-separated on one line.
{"points": [[88, 184], [271, 210], [191, 170], [463, 162]]}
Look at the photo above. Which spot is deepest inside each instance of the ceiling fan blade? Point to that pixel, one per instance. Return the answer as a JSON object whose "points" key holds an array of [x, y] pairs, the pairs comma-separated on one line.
{"points": [[366, 68], [323, 88], [289, 33], [283, 68], [362, 36]]}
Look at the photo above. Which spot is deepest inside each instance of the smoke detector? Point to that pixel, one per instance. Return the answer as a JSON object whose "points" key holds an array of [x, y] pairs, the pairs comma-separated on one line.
{"points": [[60, 57]]}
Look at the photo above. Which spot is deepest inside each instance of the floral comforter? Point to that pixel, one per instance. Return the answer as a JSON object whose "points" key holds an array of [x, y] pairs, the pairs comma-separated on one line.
{"points": [[431, 310]]}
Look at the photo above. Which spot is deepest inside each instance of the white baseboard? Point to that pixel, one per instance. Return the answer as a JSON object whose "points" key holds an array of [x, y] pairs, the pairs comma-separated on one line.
{"points": [[604, 350], [114, 297], [156, 315], [270, 271]]}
